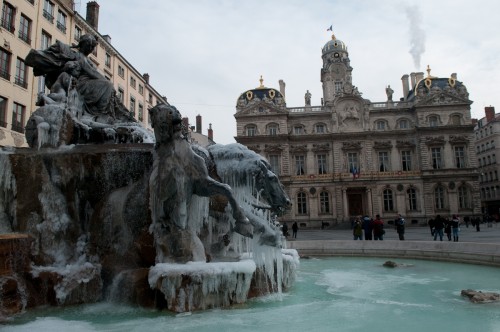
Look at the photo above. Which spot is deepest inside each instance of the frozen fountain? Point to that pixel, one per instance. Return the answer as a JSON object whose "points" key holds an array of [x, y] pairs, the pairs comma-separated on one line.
{"points": [[163, 225]]}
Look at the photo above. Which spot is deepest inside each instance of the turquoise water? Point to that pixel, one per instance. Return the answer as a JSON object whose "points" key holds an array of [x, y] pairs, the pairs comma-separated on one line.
{"points": [[331, 294]]}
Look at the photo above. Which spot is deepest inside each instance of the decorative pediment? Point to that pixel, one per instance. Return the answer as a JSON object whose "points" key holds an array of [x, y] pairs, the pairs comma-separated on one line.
{"points": [[258, 106], [351, 146], [405, 145], [385, 145], [321, 147], [441, 98], [458, 139], [431, 140], [298, 148], [273, 148]]}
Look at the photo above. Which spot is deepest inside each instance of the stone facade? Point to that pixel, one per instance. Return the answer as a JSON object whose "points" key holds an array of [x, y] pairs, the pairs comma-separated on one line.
{"points": [[350, 156], [487, 133], [38, 24]]}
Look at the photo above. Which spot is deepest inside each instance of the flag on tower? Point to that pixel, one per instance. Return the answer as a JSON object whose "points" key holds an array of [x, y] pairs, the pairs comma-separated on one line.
{"points": [[330, 28]]}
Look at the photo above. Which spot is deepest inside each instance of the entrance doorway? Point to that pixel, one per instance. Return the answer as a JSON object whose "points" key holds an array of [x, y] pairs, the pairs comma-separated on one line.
{"points": [[355, 202]]}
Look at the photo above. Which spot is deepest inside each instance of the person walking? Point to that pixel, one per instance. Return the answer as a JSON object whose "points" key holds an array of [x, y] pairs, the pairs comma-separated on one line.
{"points": [[400, 227], [284, 229], [431, 224], [368, 227], [455, 226], [295, 229], [357, 229], [378, 228], [438, 227]]}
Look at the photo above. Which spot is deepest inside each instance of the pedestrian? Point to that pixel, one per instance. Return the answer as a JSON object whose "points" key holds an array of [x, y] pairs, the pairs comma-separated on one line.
{"points": [[357, 229], [438, 227], [400, 227], [478, 224], [455, 225], [368, 227], [378, 228], [466, 220], [284, 229], [295, 228], [431, 224], [447, 228]]}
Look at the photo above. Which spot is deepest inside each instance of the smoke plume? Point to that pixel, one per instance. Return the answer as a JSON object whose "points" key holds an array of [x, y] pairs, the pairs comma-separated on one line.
{"points": [[417, 34]]}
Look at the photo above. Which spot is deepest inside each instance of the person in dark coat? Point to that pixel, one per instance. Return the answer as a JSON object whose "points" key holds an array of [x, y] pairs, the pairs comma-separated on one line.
{"points": [[400, 227], [378, 228], [368, 227], [284, 229], [295, 229], [438, 227], [447, 228], [455, 224]]}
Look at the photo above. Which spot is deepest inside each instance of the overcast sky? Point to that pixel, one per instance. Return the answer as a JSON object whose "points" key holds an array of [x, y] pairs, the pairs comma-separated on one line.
{"points": [[203, 54]]}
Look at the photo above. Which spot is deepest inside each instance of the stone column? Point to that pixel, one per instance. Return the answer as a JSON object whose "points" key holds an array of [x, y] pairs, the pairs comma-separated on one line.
{"points": [[345, 204], [369, 201]]}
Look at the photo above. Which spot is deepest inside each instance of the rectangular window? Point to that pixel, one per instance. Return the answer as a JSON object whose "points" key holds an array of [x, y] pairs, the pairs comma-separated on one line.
{"points": [[21, 74], [140, 115], [274, 161], [251, 131], [383, 161], [3, 112], [324, 202], [388, 200], [320, 128], [8, 13], [4, 64], [107, 61], [46, 40], [132, 106], [41, 84], [132, 82], [25, 29], [78, 33], [48, 11], [150, 98], [352, 162], [18, 118], [439, 198], [412, 199], [322, 165], [273, 130], [298, 130], [460, 156], [301, 203], [406, 160], [463, 198], [141, 89], [61, 21], [121, 94], [300, 165], [436, 158], [338, 86], [121, 71]]}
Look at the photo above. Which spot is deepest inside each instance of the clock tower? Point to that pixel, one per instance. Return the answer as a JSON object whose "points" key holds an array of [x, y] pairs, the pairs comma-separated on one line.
{"points": [[336, 72]]}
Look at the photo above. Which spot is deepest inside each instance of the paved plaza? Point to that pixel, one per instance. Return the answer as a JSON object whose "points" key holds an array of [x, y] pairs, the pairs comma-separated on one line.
{"points": [[412, 233]]}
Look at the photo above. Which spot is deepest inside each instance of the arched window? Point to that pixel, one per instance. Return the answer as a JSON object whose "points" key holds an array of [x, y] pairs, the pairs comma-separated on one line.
{"points": [[272, 129], [298, 130], [380, 125], [251, 130], [320, 128], [411, 195], [455, 120], [324, 202], [388, 200], [403, 124], [433, 121], [439, 197], [464, 198], [301, 203]]}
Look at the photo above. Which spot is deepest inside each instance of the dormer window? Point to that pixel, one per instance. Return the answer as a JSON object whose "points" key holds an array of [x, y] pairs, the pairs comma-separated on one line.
{"points": [[251, 130], [320, 128], [380, 125], [298, 130], [433, 121]]}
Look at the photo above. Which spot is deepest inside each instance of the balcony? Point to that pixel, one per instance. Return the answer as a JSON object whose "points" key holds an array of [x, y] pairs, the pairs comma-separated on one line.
{"points": [[5, 74], [8, 26], [48, 16], [21, 82], [61, 27], [24, 37]]}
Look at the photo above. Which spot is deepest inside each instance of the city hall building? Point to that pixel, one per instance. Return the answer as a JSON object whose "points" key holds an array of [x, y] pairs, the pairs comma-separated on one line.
{"points": [[350, 156]]}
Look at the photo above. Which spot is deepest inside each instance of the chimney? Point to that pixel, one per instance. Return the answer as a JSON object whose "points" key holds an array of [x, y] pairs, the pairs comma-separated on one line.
{"points": [[210, 132], [198, 124], [93, 14], [282, 87], [406, 86], [454, 76], [419, 76], [146, 77], [185, 122], [412, 80], [107, 38], [489, 111]]}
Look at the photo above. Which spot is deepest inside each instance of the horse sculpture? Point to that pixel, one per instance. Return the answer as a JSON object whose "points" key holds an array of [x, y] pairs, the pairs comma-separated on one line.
{"points": [[178, 174]]}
